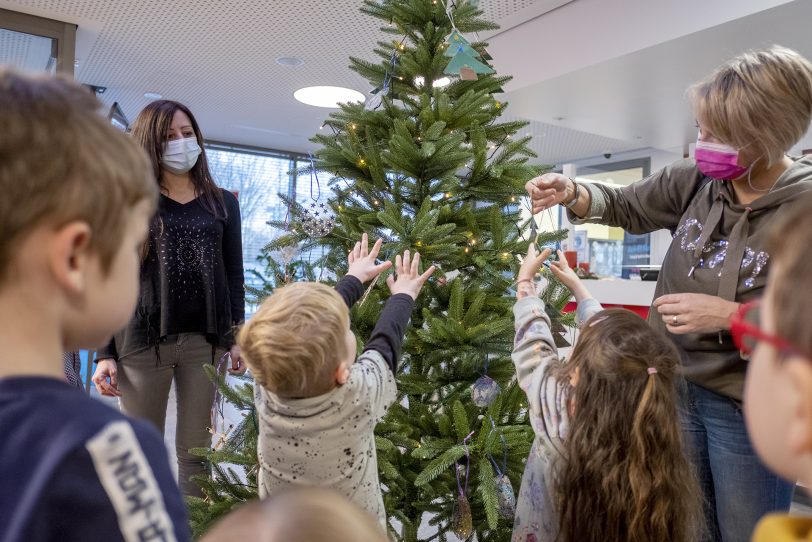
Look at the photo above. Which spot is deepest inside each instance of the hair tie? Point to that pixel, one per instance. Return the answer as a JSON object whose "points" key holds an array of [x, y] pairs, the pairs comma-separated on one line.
{"points": [[597, 320], [652, 371]]}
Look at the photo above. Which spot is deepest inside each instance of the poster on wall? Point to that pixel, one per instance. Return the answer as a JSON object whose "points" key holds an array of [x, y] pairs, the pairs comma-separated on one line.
{"points": [[580, 244], [636, 252]]}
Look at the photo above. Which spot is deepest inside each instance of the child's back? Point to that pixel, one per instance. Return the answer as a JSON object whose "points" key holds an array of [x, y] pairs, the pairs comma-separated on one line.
{"points": [[77, 198], [607, 462], [67, 457], [317, 405]]}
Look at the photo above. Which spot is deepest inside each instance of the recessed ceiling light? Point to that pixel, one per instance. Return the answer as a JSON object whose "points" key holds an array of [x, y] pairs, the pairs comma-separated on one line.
{"points": [[326, 96], [289, 61], [152, 96]]}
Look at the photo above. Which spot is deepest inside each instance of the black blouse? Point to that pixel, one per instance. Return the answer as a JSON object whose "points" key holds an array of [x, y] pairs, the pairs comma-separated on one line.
{"points": [[191, 280]]}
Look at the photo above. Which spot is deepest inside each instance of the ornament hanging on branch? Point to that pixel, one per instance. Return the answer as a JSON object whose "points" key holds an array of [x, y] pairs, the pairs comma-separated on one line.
{"points": [[318, 219], [378, 93], [485, 389], [461, 519], [506, 498], [464, 58]]}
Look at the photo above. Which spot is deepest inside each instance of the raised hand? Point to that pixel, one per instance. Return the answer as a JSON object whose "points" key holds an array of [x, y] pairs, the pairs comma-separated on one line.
{"points": [[362, 260], [409, 280], [531, 263], [563, 272], [548, 190]]}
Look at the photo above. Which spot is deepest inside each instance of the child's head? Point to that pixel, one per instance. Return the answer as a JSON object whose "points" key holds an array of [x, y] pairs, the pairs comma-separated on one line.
{"points": [[298, 515], [299, 343], [76, 194], [624, 453], [778, 389]]}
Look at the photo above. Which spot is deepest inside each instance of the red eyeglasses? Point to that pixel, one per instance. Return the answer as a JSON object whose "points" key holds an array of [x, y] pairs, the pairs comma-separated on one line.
{"points": [[744, 326]]}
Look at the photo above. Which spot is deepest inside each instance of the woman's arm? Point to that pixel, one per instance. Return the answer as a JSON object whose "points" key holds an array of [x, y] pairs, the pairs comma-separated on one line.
{"points": [[653, 203]]}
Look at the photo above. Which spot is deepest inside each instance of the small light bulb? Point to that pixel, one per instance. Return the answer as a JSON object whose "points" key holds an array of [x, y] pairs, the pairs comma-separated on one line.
{"points": [[376, 202], [467, 249], [352, 126], [512, 198]]}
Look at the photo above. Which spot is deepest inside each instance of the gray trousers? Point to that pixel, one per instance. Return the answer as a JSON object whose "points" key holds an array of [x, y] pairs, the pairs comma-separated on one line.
{"points": [[144, 380]]}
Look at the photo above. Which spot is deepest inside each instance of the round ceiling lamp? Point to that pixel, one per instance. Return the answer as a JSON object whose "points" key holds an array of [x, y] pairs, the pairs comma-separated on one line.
{"points": [[327, 96]]}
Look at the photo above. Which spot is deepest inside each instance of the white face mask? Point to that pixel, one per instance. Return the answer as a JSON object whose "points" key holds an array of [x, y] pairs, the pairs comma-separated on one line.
{"points": [[180, 155]]}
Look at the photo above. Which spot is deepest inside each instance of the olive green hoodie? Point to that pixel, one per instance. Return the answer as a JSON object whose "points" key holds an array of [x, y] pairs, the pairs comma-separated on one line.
{"points": [[717, 249]]}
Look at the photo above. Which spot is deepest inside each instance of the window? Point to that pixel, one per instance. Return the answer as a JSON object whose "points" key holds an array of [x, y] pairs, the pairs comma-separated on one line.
{"points": [[36, 44], [611, 252], [257, 177]]}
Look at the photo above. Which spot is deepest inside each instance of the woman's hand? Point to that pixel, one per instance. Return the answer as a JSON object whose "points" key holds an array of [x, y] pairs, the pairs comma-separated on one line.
{"points": [[105, 378], [695, 313], [362, 260], [548, 190], [237, 366]]}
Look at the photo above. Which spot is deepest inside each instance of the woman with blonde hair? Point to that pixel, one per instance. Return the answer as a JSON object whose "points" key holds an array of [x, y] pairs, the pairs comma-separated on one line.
{"points": [[718, 206]]}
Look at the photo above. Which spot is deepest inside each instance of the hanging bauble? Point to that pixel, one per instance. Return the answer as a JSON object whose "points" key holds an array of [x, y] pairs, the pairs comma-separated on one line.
{"points": [[461, 521], [318, 219], [505, 496], [484, 391], [285, 255]]}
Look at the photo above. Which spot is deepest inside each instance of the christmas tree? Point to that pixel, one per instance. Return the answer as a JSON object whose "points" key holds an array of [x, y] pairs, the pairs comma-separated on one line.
{"points": [[430, 168]]}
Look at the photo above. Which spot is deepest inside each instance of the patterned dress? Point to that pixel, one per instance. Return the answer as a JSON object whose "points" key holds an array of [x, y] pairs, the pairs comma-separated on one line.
{"points": [[535, 355]]}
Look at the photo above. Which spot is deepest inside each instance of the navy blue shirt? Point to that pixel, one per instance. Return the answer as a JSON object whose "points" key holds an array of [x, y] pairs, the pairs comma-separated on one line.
{"points": [[72, 468]]}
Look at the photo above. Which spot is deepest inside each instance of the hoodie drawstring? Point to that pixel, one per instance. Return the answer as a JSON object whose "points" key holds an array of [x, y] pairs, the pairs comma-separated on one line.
{"points": [[736, 246]]}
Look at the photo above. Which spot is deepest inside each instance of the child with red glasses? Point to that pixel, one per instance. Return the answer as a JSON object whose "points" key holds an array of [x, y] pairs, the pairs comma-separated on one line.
{"points": [[777, 335]]}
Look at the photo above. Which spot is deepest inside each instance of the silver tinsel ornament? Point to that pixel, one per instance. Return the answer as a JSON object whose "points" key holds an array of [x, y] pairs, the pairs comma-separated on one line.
{"points": [[484, 391], [318, 219]]}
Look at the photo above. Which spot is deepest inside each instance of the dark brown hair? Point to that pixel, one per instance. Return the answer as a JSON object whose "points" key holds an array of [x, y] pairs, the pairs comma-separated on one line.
{"points": [[62, 161], [150, 129], [624, 474], [788, 244]]}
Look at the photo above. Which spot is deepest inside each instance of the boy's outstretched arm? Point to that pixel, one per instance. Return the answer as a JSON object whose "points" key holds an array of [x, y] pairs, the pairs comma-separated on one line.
{"points": [[362, 268], [387, 337]]}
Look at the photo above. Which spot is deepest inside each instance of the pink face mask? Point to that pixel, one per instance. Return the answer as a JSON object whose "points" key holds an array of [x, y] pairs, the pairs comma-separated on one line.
{"points": [[718, 161]]}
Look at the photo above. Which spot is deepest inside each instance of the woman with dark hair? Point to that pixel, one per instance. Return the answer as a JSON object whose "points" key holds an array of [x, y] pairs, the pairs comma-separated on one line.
{"points": [[192, 292]]}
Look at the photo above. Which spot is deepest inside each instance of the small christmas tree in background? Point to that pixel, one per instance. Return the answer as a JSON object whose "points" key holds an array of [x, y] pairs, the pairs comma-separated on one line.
{"points": [[429, 168]]}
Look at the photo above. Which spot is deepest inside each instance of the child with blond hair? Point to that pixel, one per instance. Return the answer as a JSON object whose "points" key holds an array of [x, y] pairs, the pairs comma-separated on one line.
{"points": [[298, 514], [317, 402]]}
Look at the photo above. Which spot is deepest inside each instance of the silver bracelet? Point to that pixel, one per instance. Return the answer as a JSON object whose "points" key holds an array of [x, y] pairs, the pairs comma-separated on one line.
{"points": [[574, 199]]}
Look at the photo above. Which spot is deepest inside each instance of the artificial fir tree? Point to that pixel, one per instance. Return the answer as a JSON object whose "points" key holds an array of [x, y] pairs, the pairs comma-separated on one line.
{"points": [[429, 169]]}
